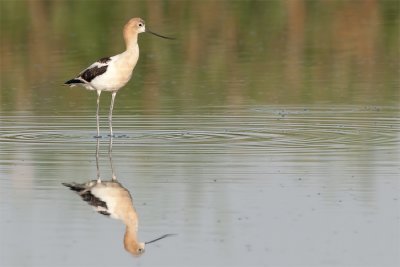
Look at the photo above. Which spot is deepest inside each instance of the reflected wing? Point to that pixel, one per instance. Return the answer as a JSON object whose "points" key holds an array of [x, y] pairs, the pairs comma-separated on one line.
{"points": [[84, 190]]}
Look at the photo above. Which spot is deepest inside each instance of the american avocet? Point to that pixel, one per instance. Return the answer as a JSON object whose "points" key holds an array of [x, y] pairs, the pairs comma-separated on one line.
{"points": [[112, 73], [110, 198]]}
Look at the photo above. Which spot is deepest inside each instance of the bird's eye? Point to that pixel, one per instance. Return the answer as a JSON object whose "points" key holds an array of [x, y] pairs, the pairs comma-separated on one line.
{"points": [[140, 250], [140, 24]]}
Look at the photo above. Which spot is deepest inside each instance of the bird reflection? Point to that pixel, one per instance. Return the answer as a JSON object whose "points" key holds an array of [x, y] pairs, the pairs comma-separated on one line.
{"points": [[111, 199]]}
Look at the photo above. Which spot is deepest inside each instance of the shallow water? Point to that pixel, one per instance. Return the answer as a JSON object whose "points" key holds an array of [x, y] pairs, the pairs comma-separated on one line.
{"points": [[317, 183], [252, 157]]}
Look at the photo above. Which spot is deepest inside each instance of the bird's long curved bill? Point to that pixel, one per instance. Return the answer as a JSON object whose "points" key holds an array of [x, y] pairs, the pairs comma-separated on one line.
{"points": [[159, 35], [161, 237]]}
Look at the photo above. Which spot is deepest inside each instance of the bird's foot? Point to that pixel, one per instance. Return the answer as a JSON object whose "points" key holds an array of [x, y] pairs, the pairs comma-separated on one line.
{"points": [[97, 136]]}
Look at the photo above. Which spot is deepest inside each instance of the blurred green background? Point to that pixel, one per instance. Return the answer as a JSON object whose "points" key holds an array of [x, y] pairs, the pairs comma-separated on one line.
{"points": [[228, 53]]}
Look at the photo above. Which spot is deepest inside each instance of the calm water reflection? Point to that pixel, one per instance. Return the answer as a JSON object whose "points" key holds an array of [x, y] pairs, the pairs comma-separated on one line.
{"points": [[255, 136], [244, 189], [111, 199]]}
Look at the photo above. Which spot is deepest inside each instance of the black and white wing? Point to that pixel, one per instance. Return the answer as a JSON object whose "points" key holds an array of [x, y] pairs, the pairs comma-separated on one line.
{"points": [[84, 191], [93, 71]]}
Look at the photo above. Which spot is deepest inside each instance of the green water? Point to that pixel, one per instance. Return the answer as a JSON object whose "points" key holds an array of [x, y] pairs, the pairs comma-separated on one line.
{"points": [[267, 134]]}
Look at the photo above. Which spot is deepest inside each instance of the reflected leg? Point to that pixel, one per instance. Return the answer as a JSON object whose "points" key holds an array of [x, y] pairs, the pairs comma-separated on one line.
{"points": [[111, 161], [97, 160]]}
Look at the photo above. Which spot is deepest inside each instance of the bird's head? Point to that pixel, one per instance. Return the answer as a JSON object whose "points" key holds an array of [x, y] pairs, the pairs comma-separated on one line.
{"points": [[137, 25], [135, 248], [138, 248]]}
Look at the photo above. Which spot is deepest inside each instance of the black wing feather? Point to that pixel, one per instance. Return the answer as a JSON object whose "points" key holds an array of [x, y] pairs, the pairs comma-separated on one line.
{"points": [[73, 81], [106, 213], [89, 74], [104, 60]]}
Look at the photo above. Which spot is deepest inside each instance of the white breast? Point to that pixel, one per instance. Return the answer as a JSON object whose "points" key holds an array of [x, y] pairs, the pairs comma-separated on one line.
{"points": [[118, 73], [110, 196]]}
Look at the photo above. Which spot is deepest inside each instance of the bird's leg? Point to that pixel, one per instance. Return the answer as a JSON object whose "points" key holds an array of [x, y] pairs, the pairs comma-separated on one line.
{"points": [[97, 114], [114, 178], [111, 110]]}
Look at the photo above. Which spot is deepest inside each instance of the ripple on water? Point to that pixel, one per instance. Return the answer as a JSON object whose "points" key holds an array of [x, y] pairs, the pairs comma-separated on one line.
{"points": [[256, 129]]}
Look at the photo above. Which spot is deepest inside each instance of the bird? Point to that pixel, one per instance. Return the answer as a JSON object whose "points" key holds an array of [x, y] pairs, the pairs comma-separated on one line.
{"points": [[111, 199], [110, 74]]}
